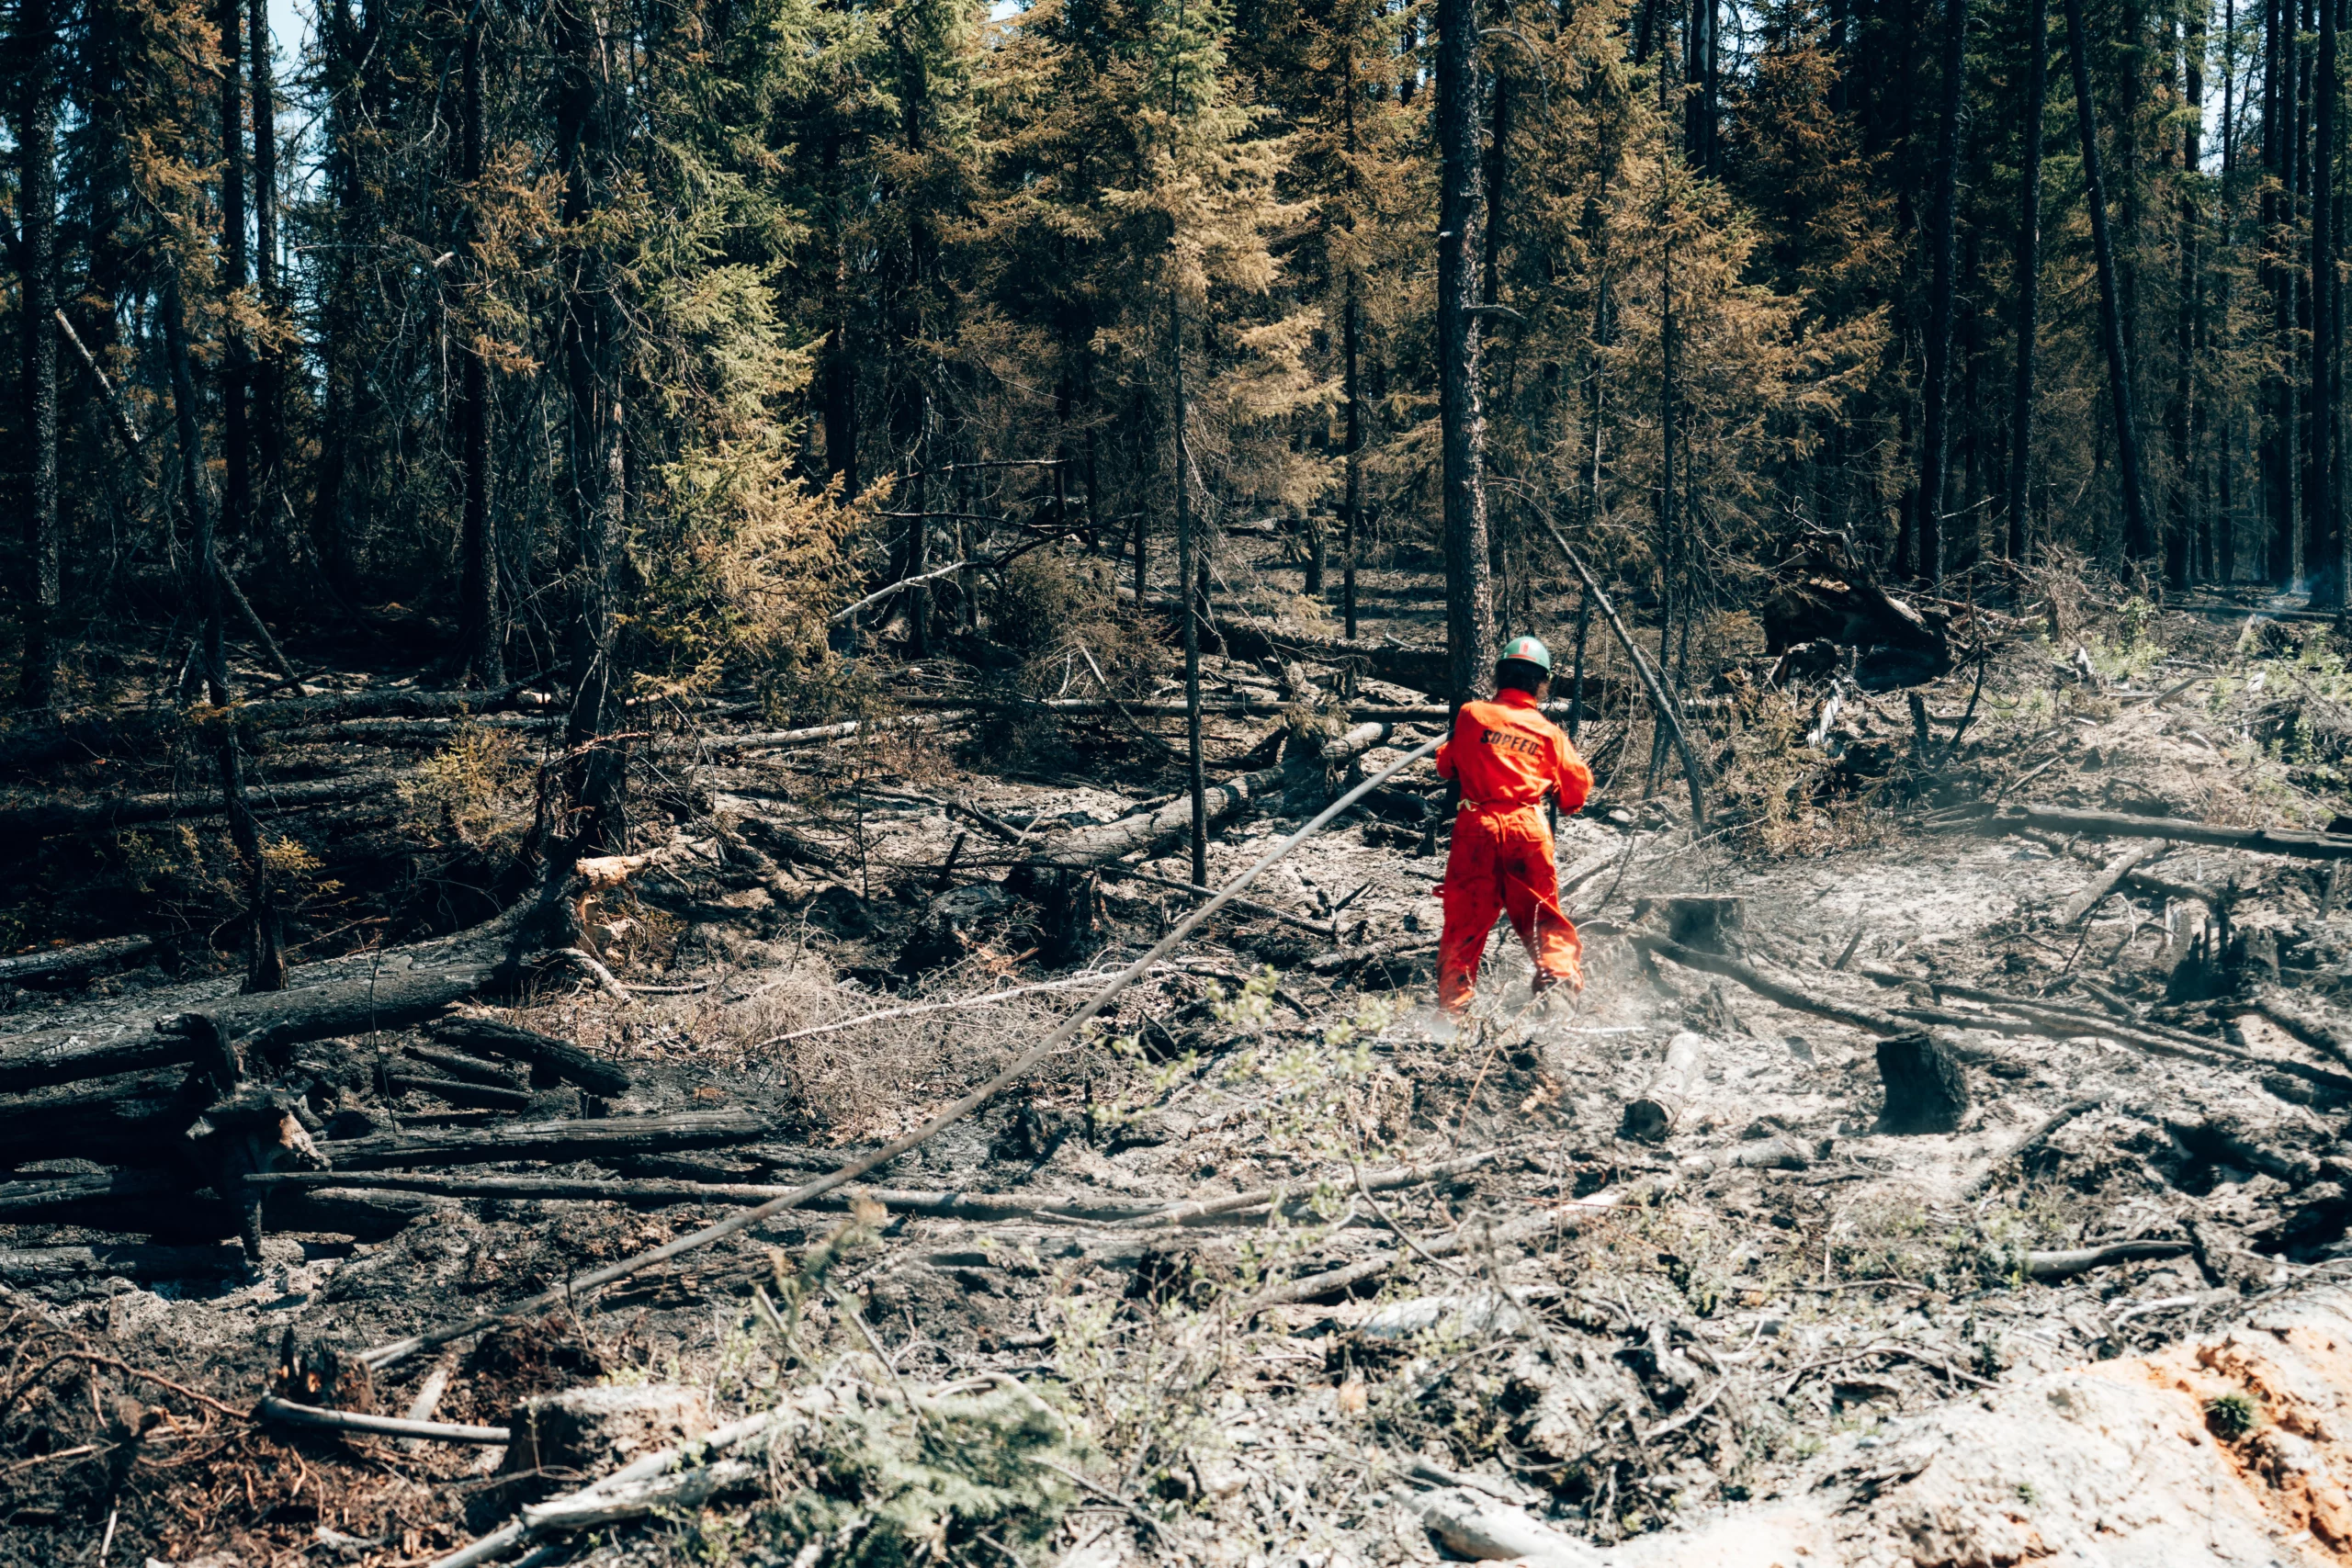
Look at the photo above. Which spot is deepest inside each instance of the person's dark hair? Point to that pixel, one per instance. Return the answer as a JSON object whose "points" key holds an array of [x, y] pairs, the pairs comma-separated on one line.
{"points": [[1519, 675]]}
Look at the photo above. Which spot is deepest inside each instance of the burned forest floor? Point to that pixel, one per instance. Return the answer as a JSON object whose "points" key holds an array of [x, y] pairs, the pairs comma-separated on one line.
{"points": [[1945, 1163]]}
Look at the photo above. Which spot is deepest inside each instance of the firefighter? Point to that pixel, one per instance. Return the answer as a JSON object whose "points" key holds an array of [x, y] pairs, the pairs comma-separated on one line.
{"points": [[1508, 757]]}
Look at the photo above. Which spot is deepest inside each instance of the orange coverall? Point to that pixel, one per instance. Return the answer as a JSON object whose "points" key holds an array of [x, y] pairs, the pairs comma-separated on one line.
{"points": [[1508, 757]]}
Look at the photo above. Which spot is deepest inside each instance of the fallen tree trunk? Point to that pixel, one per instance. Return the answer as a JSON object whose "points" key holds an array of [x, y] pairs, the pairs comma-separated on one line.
{"points": [[23, 1200], [2117, 824], [392, 991], [459, 1065], [1652, 1116], [103, 734], [2065, 1265], [1084, 848], [2079, 906], [1487, 1529], [409, 731], [459, 1091], [121, 1118], [26, 1265], [587, 1138], [2305, 1024], [90, 955], [548, 1057], [614, 1189], [825, 734], [25, 823]]}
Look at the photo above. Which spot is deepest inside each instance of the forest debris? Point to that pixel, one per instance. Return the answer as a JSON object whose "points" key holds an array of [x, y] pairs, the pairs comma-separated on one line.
{"points": [[1528, 1229], [401, 1349], [459, 1065], [603, 1428], [1489, 1529], [23, 824], [612, 1190], [550, 1058], [982, 999], [1925, 1090], [1652, 1116], [2047, 1266], [2080, 906], [1084, 848], [27, 1198], [585, 1138], [286, 1412], [1324, 929], [2034, 1138], [632, 1491], [1373, 1181], [825, 734], [459, 1091], [2305, 1023], [1793, 998]]}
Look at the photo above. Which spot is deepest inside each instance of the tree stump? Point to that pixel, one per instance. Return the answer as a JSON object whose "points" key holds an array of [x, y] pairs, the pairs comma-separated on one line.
{"points": [[1925, 1090], [1069, 910], [1710, 922], [1651, 1117]]}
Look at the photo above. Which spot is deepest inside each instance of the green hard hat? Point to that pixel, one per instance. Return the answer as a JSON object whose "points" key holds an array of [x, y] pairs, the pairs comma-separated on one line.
{"points": [[1529, 650]]}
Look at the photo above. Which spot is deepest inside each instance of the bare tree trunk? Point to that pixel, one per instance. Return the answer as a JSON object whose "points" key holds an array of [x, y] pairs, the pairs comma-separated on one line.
{"points": [[236, 435], [269, 378], [918, 537], [1700, 78], [265, 962], [1469, 573], [36, 270], [1351, 524], [2281, 116], [479, 629], [2322, 489], [595, 483], [1188, 596], [2180, 533], [1935, 441], [2029, 285], [2137, 542]]}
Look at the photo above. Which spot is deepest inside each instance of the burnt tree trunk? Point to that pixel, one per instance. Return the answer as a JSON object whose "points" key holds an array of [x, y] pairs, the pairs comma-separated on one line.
{"points": [[269, 379], [1925, 1090], [2028, 282], [37, 271], [236, 432], [2323, 520], [1935, 439], [266, 963], [479, 631], [596, 485], [1469, 573], [2137, 542]]}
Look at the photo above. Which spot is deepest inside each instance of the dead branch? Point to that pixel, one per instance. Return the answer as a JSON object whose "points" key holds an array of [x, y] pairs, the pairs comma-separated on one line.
{"points": [[286, 1412]]}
